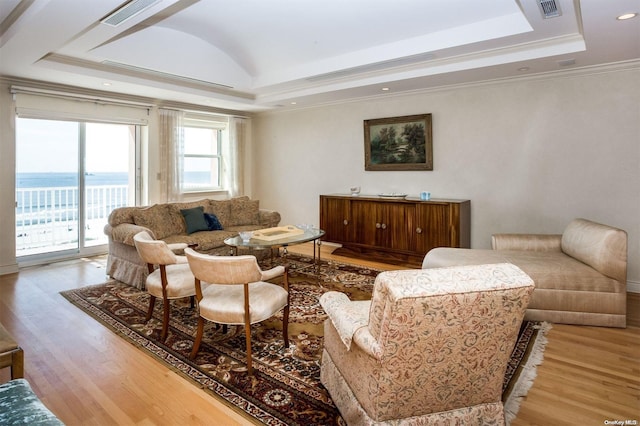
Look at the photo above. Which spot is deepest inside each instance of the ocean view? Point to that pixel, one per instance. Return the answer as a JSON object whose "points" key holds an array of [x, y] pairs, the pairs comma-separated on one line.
{"points": [[63, 180], [47, 209], [36, 191]]}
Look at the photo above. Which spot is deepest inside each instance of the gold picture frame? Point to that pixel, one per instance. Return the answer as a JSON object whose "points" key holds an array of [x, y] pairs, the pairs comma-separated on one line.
{"points": [[398, 143]]}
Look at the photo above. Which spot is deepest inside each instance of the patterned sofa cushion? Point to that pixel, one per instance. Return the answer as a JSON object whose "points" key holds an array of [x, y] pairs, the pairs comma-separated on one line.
{"points": [[221, 209], [244, 212], [157, 219], [122, 215]]}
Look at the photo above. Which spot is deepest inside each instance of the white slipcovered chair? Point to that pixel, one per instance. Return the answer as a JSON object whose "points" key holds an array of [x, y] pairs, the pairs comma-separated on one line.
{"points": [[237, 294], [169, 275], [430, 348]]}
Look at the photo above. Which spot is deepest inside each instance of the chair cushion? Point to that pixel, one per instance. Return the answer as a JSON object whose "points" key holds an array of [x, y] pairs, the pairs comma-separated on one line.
{"points": [[180, 282], [224, 304]]}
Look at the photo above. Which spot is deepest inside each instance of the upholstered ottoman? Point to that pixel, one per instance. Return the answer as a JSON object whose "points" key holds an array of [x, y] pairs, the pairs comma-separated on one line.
{"points": [[19, 405]]}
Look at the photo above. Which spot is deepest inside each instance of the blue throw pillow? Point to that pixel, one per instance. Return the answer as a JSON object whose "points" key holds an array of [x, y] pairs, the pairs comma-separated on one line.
{"points": [[194, 219], [212, 222]]}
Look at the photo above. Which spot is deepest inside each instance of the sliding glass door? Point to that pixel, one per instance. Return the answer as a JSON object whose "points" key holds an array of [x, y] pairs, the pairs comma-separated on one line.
{"points": [[69, 177], [109, 176]]}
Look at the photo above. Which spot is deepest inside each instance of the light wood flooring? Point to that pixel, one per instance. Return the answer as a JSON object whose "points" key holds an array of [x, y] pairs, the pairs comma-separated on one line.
{"points": [[89, 376]]}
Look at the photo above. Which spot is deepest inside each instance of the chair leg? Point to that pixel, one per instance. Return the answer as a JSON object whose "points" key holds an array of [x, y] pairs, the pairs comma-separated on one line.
{"points": [[152, 304], [196, 343], [17, 364], [224, 328], [165, 319], [285, 326], [247, 328], [247, 335]]}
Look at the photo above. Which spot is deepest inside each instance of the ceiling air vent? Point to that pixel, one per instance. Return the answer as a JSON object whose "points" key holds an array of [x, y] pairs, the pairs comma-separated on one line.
{"points": [[129, 10], [549, 8]]}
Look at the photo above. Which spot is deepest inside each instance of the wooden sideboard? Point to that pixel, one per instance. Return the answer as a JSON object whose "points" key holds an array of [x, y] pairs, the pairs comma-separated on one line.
{"points": [[397, 231]]}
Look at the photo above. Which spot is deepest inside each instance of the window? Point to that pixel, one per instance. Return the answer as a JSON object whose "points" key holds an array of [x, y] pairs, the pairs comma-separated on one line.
{"points": [[202, 159]]}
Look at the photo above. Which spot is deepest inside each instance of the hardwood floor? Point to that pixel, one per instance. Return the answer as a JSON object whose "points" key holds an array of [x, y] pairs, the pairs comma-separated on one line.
{"points": [[87, 375]]}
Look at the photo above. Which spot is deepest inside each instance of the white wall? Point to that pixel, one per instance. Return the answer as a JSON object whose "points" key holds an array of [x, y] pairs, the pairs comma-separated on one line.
{"points": [[7, 183], [530, 154]]}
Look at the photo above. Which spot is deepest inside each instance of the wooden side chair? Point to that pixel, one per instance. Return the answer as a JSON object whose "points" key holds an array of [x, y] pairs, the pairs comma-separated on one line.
{"points": [[237, 294], [171, 279], [11, 355]]}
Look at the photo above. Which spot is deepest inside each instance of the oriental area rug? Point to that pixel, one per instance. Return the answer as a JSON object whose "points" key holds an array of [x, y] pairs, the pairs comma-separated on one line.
{"points": [[285, 388]]}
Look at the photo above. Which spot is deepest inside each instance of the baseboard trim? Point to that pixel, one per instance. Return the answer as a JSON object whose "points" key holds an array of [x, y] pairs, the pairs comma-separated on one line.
{"points": [[9, 269]]}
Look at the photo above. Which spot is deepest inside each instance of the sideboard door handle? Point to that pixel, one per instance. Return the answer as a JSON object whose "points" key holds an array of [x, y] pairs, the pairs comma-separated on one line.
{"points": [[384, 226], [345, 222], [378, 225], [418, 230]]}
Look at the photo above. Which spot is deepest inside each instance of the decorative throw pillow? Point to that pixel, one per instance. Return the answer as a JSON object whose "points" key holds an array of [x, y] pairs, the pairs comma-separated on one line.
{"points": [[177, 219], [194, 219], [213, 224]]}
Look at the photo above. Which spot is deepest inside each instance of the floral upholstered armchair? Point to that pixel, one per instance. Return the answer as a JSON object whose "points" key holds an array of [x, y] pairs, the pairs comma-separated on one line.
{"points": [[431, 347]]}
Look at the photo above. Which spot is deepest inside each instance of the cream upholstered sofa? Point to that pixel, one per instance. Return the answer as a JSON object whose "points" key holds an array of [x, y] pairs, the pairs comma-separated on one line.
{"points": [[580, 275], [167, 222], [431, 347]]}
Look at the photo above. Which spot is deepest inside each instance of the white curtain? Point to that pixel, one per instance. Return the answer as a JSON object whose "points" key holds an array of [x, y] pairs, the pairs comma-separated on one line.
{"points": [[171, 150], [235, 157]]}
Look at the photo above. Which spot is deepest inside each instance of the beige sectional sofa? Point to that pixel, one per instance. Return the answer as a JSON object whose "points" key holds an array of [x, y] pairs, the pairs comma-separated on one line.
{"points": [[580, 276], [167, 222]]}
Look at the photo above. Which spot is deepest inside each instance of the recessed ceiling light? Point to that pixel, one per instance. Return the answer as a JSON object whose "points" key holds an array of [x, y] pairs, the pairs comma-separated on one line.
{"points": [[627, 16], [294, 103], [523, 69], [385, 89], [106, 83]]}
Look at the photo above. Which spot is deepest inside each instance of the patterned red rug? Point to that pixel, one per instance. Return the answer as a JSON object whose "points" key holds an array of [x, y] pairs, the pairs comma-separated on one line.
{"points": [[285, 388]]}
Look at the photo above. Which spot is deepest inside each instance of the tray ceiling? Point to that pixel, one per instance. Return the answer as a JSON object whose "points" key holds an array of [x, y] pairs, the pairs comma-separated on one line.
{"points": [[254, 55]]}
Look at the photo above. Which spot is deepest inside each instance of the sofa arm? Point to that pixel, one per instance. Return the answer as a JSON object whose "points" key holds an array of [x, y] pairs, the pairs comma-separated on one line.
{"points": [[124, 232], [530, 242], [369, 345], [269, 218], [346, 316]]}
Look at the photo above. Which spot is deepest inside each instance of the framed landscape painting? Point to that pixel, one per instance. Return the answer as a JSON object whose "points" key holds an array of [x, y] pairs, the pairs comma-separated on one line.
{"points": [[398, 143]]}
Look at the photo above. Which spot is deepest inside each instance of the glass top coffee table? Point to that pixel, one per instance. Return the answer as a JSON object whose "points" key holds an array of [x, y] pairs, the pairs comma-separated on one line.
{"points": [[309, 234]]}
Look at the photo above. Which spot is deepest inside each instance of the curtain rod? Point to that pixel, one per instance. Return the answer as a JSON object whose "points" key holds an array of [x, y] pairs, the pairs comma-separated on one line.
{"points": [[67, 95]]}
